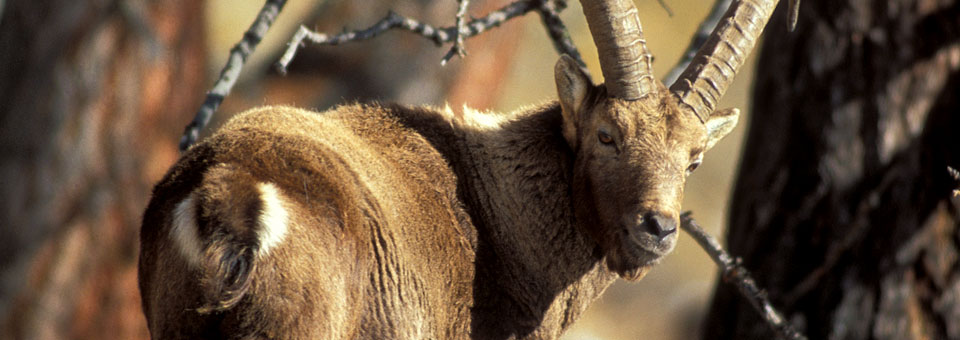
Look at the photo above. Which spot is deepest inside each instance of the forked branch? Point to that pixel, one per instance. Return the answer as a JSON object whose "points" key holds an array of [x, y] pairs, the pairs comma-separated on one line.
{"points": [[458, 48], [439, 35], [548, 9], [734, 273]]}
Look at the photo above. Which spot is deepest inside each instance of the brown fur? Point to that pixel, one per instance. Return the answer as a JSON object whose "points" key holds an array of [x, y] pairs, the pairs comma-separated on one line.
{"points": [[412, 223]]}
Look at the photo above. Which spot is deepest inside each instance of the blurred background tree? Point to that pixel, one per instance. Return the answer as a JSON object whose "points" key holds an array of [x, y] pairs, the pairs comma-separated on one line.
{"points": [[842, 206], [94, 95]]}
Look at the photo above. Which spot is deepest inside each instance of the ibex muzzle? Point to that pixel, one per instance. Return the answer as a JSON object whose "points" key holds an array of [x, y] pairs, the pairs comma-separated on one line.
{"points": [[387, 221]]}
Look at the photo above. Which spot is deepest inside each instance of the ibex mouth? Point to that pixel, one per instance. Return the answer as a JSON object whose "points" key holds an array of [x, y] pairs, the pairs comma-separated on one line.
{"points": [[638, 251], [648, 244]]}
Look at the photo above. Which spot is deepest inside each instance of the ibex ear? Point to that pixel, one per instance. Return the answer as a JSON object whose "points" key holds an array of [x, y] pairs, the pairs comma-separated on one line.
{"points": [[720, 123], [573, 86]]}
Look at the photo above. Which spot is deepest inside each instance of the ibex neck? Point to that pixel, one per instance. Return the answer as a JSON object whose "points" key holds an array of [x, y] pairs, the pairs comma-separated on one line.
{"points": [[536, 270]]}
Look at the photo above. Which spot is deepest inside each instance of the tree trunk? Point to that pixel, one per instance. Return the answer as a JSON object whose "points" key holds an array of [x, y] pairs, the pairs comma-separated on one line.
{"points": [[93, 96], [842, 208]]}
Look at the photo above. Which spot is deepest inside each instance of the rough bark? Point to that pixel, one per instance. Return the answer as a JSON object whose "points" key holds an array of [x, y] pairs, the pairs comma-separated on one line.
{"points": [[843, 206], [94, 95]]}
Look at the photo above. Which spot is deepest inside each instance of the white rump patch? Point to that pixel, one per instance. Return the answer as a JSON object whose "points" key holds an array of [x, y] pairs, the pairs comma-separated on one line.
{"points": [[272, 224], [184, 230], [273, 219]]}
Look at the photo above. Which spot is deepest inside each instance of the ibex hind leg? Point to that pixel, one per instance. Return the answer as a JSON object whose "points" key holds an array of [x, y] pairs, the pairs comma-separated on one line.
{"points": [[224, 228]]}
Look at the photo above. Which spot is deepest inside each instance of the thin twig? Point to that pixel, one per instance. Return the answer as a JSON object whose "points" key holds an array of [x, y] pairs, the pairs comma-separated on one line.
{"points": [[394, 20], [550, 16], [956, 176], [458, 47], [703, 32], [666, 8], [231, 71], [793, 13], [734, 273]]}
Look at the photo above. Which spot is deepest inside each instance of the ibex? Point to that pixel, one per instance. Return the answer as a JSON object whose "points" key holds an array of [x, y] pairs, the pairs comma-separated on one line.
{"points": [[387, 221]]}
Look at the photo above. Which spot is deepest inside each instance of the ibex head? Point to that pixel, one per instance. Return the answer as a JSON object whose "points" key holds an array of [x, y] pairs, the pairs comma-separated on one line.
{"points": [[635, 141]]}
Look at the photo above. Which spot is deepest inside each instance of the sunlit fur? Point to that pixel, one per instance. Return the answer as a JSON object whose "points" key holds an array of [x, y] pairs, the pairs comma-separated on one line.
{"points": [[411, 222]]}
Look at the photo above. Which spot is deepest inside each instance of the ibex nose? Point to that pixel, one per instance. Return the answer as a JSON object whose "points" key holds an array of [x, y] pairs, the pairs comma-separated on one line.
{"points": [[659, 225]]}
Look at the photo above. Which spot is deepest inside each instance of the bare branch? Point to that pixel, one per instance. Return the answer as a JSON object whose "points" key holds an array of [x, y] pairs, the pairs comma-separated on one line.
{"points": [[549, 9], [666, 8], [393, 20], [956, 176], [550, 15], [793, 13], [734, 273], [703, 32], [458, 48], [231, 71]]}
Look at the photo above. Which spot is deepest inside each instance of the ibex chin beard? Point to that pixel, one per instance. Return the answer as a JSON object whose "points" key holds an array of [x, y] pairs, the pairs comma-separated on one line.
{"points": [[632, 262]]}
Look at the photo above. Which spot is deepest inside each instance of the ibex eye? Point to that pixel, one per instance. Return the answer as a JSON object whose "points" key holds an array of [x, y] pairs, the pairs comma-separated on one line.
{"points": [[693, 166], [604, 137]]}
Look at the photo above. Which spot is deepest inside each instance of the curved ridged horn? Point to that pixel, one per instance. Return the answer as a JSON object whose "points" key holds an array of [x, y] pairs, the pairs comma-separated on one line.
{"points": [[704, 81], [624, 59]]}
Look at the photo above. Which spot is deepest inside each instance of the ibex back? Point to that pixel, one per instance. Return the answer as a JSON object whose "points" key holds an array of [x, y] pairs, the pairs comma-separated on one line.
{"points": [[385, 221]]}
